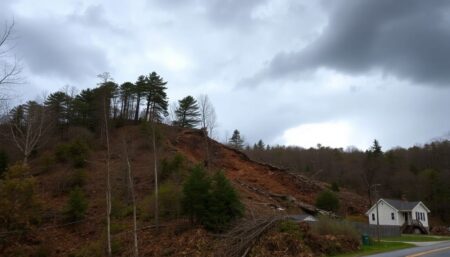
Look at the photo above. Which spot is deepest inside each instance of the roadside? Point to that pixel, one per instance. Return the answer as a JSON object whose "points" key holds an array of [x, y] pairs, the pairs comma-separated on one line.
{"points": [[405, 241]]}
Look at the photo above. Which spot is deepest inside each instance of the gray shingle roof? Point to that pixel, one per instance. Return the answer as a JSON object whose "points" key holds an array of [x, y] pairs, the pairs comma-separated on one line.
{"points": [[401, 205]]}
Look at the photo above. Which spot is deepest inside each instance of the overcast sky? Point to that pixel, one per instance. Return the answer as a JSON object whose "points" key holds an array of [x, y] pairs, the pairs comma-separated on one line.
{"points": [[291, 72]]}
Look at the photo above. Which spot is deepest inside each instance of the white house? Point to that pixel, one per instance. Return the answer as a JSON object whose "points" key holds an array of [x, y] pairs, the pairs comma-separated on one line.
{"points": [[400, 213]]}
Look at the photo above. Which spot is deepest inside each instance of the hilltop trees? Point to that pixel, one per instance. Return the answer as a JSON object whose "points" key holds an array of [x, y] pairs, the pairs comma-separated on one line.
{"points": [[236, 141], [187, 113], [28, 123], [373, 164], [157, 103]]}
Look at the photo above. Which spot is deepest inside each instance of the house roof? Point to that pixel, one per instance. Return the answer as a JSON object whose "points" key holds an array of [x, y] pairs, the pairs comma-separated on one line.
{"points": [[401, 205]]}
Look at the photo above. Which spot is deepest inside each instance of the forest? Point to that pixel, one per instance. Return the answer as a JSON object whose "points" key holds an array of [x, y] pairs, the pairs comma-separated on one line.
{"points": [[418, 173]]}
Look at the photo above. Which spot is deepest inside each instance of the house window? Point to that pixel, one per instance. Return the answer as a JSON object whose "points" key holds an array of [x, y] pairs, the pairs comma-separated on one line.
{"points": [[373, 216], [393, 216], [417, 216]]}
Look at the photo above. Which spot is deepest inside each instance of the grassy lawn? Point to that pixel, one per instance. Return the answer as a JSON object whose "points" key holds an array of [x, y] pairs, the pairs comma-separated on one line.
{"points": [[417, 238], [377, 248]]}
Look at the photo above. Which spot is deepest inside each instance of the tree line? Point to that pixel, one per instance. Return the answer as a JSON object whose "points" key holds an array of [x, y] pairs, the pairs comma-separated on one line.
{"points": [[415, 173]]}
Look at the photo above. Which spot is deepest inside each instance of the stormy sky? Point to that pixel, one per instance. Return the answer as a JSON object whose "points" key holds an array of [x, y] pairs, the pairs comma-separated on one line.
{"points": [[290, 72]]}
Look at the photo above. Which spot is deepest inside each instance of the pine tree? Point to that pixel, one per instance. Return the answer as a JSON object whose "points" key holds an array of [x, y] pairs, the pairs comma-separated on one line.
{"points": [[236, 141], [328, 201], [138, 91], [225, 205], [196, 195], [59, 105], [157, 103], [76, 206], [188, 114], [260, 146]]}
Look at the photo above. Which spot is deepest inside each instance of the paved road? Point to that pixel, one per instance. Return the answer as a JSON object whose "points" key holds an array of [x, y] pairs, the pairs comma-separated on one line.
{"points": [[435, 250]]}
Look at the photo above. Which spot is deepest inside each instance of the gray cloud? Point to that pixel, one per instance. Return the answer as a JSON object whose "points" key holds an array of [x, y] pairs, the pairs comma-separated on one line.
{"points": [[406, 39], [54, 48]]}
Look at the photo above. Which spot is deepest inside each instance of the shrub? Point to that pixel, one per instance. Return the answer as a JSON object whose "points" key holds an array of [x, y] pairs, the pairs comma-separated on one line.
{"points": [[328, 201], [76, 206], [171, 167], [196, 195], [328, 226], [224, 206], [46, 161], [77, 178], [212, 203], [18, 204], [76, 152]]}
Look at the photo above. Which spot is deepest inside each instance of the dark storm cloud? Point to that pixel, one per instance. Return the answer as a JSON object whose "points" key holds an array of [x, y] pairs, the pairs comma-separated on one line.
{"points": [[406, 39], [54, 48]]}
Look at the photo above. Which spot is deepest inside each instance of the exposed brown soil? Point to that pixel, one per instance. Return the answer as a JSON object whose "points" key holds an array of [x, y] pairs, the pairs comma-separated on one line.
{"points": [[263, 189]]}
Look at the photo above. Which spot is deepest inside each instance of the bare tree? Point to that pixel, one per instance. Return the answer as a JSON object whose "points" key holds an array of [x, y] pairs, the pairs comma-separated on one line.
{"points": [[208, 114], [9, 65], [208, 121], [108, 181], [28, 124], [133, 199]]}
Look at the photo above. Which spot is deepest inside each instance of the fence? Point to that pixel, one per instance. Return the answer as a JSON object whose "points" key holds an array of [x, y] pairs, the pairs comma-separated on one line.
{"points": [[371, 230]]}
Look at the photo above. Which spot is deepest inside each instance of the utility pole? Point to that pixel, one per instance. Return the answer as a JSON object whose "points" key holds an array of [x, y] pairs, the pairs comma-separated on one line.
{"points": [[378, 218]]}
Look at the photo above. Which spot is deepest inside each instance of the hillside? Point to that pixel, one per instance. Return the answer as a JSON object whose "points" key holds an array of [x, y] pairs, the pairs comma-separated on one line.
{"points": [[264, 190]]}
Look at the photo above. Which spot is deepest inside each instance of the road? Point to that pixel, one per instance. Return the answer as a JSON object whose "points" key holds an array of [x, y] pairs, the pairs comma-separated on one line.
{"points": [[436, 250]]}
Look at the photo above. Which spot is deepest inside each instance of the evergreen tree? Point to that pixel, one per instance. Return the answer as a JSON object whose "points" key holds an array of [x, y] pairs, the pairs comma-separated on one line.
{"points": [[157, 102], [18, 204], [224, 206], [260, 146], [187, 113], [328, 201], [236, 141], [59, 105], [127, 99], [196, 195], [77, 205], [138, 91]]}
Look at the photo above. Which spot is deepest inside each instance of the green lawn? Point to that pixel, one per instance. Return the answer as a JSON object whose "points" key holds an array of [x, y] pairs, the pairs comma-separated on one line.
{"points": [[377, 248], [417, 238]]}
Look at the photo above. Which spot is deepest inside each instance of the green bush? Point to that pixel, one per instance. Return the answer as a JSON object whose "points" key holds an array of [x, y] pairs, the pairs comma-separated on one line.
{"points": [[171, 167], [328, 201], [196, 195], [75, 152], [224, 205], [290, 227], [76, 206], [211, 202], [18, 204], [46, 161]]}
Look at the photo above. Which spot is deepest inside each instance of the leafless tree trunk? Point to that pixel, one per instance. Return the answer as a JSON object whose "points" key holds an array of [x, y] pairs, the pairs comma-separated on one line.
{"points": [[208, 120], [108, 182], [10, 67], [133, 200], [29, 130], [156, 174]]}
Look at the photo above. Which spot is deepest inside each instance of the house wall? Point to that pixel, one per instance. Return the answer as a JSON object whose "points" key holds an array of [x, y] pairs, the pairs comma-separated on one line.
{"points": [[420, 209], [384, 211]]}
